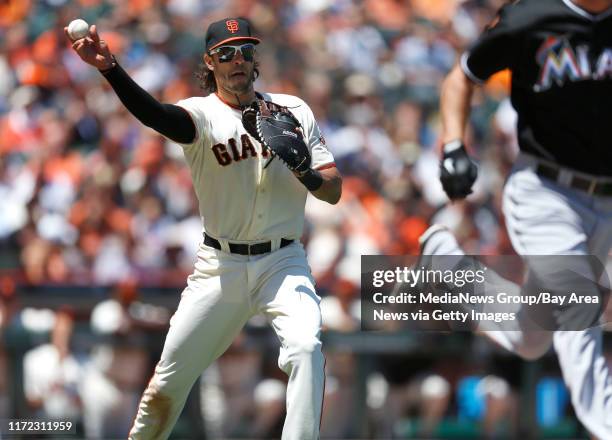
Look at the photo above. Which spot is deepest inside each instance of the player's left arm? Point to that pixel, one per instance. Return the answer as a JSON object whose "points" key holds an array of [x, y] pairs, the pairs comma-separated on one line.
{"points": [[323, 167], [496, 49], [330, 190]]}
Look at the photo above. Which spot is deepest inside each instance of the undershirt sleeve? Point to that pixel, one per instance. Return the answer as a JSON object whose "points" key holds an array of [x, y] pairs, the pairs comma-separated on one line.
{"points": [[321, 156], [172, 121], [498, 46]]}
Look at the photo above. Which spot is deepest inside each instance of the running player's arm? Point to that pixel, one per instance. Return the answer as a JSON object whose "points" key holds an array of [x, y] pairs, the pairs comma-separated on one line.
{"points": [[495, 50], [455, 104]]}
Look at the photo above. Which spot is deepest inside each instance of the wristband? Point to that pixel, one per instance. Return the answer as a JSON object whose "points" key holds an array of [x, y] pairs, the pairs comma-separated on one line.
{"points": [[451, 146], [113, 65], [311, 179]]}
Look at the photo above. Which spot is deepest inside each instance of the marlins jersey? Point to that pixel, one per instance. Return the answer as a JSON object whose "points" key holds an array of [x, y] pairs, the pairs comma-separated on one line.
{"points": [[561, 61], [240, 199]]}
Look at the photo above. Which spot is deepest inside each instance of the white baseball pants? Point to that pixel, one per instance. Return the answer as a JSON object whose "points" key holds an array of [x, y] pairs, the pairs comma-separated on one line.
{"points": [[544, 218], [223, 292]]}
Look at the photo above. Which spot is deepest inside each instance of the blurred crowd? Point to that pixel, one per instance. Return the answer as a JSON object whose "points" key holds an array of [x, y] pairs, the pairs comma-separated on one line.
{"points": [[92, 197], [89, 365]]}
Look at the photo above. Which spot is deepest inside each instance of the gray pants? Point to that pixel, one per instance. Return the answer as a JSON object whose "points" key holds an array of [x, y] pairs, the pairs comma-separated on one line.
{"points": [[545, 218]]}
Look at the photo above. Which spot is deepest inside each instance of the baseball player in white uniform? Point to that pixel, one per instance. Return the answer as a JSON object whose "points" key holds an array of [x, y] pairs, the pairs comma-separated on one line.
{"points": [[558, 197], [250, 260]]}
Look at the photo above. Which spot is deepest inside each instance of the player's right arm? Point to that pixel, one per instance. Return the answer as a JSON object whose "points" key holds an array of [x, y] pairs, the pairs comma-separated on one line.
{"points": [[172, 121], [457, 170], [495, 50], [455, 104]]}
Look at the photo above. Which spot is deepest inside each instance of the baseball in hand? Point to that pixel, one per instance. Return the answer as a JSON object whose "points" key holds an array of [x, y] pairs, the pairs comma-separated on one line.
{"points": [[78, 29]]}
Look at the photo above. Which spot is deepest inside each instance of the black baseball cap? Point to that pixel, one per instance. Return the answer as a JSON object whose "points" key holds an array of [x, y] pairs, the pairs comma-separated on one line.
{"points": [[229, 29]]}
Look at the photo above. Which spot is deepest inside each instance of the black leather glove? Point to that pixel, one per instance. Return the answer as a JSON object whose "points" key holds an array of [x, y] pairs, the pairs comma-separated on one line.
{"points": [[458, 171], [278, 130]]}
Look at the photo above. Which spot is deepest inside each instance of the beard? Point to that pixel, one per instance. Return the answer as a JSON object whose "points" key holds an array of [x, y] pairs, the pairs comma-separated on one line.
{"points": [[240, 84]]}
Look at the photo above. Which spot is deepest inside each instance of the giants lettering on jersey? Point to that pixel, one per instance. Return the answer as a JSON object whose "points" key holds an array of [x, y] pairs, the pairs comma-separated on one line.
{"points": [[560, 62], [226, 156]]}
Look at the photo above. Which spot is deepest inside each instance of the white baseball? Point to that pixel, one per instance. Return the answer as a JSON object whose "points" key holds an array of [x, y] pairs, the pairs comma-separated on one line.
{"points": [[78, 29]]}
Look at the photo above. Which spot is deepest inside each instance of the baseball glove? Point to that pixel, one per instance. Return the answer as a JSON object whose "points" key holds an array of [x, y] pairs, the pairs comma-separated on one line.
{"points": [[277, 129]]}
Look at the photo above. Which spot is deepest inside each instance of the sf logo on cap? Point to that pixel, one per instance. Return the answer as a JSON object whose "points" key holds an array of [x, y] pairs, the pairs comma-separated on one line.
{"points": [[232, 25]]}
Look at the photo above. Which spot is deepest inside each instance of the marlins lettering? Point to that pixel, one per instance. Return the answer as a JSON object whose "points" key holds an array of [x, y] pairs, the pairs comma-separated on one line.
{"points": [[560, 62]]}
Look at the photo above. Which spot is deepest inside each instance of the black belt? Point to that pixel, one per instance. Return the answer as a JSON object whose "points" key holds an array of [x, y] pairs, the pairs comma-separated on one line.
{"points": [[243, 248], [590, 186]]}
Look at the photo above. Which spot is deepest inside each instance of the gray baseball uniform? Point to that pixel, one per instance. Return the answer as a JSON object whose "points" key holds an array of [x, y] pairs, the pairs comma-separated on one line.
{"points": [[558, 197]]}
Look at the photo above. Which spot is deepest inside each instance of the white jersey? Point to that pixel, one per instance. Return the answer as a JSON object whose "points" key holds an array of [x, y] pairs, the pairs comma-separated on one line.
{"points": [[239, 200]]}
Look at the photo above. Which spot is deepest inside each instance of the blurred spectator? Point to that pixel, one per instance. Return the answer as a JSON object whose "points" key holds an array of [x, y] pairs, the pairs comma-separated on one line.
{"points": [[8, 311], [489, 401], [52, 374], [237, 400], [92, 197], [341, 313], [119, 365], [413, 388]]}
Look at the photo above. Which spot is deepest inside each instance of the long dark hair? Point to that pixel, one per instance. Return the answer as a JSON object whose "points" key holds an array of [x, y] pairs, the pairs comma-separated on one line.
{"points": [[207, 77]]}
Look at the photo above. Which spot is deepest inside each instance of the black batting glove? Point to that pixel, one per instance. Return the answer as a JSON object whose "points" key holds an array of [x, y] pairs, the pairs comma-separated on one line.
{"points": [[458, 171]]}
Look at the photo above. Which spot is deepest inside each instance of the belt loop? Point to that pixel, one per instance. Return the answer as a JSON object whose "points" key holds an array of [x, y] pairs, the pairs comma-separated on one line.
{"points": [[275, 244], [592, 187], [527, 160], [224, 245], [565, 177]]}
